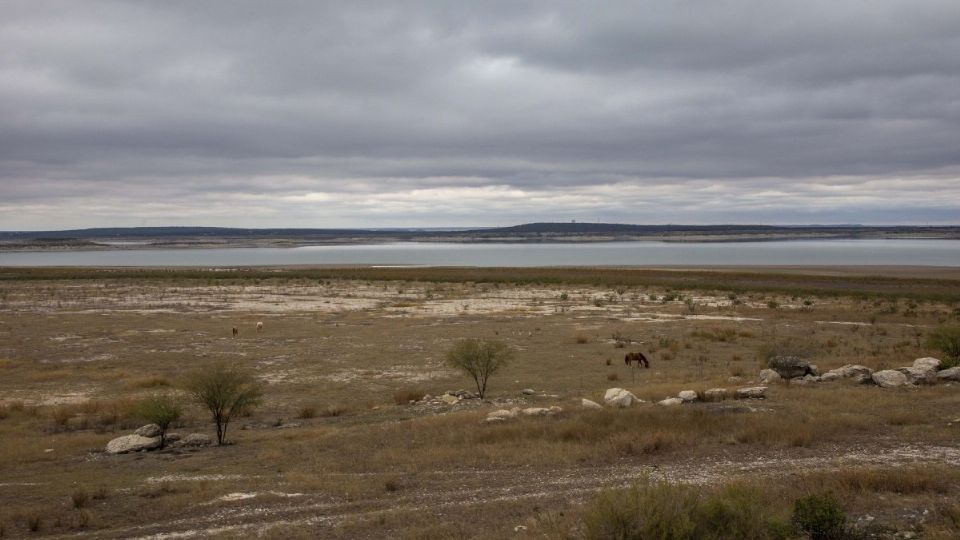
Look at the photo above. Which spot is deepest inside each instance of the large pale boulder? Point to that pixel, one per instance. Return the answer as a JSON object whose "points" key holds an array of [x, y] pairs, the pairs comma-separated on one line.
{"points": [[890, 378], [789, 367], [715, 394], [502, 415], [928, 363], [589, 404], [450, 399], [855, 372], [769, 376], [754, 392], [671, 401], [132, 443], [688, 396], [618, 397], [949, 374], [919, 375], [149, 430]]}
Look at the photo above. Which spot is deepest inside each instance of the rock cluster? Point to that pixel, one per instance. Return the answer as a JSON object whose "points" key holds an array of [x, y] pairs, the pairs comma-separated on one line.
{"points": [[922, 371], [147, 438], [754, 392], [714, 395], [502, 415], [450, 397]]}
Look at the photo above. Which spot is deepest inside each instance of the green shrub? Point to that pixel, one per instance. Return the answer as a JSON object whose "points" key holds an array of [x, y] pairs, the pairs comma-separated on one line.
{"points": [[946, 339], [159, 409], [479, 358], [662, 510], [820, 517]]}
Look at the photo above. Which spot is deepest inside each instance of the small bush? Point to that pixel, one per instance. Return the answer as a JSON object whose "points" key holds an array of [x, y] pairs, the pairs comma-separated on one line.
{"points": [[820, 517], [160, 409], [79, 498], [306, 412], [613, 377], [580, 338], [946, 339]]}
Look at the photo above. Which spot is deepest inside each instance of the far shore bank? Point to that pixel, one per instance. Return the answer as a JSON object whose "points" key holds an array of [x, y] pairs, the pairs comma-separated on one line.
{"points": [[140, 243]]}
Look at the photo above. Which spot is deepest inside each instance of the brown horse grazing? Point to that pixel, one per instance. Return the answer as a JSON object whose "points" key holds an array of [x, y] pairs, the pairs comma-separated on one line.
{"points": [[637, 357], [236, 332]]}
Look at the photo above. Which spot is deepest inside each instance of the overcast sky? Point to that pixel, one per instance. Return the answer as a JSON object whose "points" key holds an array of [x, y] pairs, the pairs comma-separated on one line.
{"points": [[368, 114]]}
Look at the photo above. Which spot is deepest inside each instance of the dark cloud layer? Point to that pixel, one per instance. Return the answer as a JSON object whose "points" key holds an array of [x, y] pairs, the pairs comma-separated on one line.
{"points": [[251, 113]]}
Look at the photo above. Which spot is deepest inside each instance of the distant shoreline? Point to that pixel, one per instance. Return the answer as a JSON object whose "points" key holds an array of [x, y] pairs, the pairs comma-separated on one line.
{"points": [[252, 240]]}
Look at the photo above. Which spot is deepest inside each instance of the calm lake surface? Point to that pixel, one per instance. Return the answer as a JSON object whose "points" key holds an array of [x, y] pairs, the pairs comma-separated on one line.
{"points": [[794, 252]]}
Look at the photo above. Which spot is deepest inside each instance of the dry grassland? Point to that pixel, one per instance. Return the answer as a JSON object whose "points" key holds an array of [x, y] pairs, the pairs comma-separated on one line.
{"points": [[339, 450]]}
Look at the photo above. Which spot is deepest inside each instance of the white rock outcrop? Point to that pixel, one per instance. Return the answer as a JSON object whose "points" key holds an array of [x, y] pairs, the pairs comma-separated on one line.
{"points": [[919, 375], [890, 378], [502, 415], [949, 374], [928, 363], [618, 397], [132, 443], [149, 430], [769, 376], [753, 392], [715, 394], [856, 372], [590, 404]]}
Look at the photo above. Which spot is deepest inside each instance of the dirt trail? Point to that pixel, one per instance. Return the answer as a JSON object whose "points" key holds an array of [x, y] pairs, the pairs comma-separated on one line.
{"points": [[256, 515]]}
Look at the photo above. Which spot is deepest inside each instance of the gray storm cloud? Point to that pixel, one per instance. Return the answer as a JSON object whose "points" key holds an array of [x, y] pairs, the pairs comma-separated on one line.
{"points": [[436, 113]]}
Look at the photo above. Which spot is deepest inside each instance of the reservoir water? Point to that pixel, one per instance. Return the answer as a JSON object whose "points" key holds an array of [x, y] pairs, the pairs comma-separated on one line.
{"points": [[793, 252]]}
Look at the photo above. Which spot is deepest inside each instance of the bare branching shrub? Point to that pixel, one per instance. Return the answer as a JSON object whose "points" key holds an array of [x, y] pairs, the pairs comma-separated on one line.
{"points": [[479, 358], [225, 392]]}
